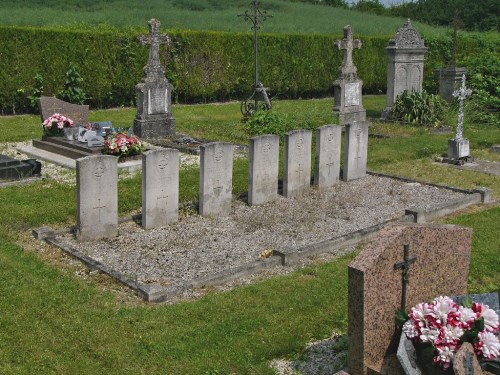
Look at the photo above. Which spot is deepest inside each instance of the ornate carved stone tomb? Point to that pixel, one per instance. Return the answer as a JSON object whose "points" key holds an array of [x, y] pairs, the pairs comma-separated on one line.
{"points": [[405, 67], [154, 113]]}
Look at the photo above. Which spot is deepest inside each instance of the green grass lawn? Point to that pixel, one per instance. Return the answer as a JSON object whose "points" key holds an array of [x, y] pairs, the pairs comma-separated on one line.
{"points": [[221, 15], [54, 322]]}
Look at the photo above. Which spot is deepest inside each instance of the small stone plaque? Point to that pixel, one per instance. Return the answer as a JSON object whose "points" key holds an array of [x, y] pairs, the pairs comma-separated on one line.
{"points": [[351, 94], [95, 141], [157, 100]]}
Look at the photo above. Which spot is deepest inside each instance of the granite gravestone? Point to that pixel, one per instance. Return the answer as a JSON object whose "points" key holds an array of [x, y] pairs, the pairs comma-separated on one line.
{"points": [[160, 187], [97, 197], [154, 117], [263, 169], [297, 163], [381, 275], [216, 178], [327, 162], [347, 87], [405, 67], [49, 105], [355, 151]]}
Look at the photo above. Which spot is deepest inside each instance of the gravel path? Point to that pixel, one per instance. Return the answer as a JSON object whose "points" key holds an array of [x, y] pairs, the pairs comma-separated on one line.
{"points": [[197, 247]]}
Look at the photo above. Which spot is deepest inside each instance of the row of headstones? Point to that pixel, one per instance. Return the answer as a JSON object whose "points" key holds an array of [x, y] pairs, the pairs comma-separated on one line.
{"points": [[97, 176]]}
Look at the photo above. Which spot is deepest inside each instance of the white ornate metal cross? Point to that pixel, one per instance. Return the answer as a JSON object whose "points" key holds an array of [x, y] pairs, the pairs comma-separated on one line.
{"points": [[461, 94]]}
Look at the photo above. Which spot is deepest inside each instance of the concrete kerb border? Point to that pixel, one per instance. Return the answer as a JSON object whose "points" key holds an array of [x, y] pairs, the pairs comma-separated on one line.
{"points": [[158, 293]]}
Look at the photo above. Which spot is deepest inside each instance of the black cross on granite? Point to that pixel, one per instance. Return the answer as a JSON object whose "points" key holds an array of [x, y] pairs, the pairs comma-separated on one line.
{"points": [[405, 265], [154, 39], [468, 364]]}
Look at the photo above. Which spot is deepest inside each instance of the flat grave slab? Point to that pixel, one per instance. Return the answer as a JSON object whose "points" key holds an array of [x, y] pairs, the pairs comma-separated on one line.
{"points": [[13, 169], [483, 166]]}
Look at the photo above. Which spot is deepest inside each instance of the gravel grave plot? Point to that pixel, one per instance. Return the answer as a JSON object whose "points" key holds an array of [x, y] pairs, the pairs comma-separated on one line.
{"points": [[197, 247]]}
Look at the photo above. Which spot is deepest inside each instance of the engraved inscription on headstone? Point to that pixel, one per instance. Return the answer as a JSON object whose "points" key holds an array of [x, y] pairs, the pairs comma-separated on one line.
{"points": [[160, 187], [263, 169], [296, 162], [327, 161], [356, 151], [157, 101], [216, 168], [352, 94], [97, 197]]}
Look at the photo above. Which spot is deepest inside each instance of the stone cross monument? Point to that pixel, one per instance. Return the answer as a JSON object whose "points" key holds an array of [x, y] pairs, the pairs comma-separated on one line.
{"points": [[154, 117], [347, 86], [458, 147], [450, 77], [405, 67]]}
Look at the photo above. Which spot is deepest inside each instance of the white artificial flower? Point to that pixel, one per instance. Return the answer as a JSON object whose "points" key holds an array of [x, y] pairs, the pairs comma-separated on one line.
{"points": [[490, 345], [409, 329], [452, 334], [490, 319], [429, 334], [467, 316], [441, 307]]}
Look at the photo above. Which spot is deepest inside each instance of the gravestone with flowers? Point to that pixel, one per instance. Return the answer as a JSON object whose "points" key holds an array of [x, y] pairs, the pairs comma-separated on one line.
{"points": [[405, 264]]}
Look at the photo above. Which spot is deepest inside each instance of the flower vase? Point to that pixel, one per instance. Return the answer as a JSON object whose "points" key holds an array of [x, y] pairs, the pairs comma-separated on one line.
{"points": [[425, 354], [68, 134]]}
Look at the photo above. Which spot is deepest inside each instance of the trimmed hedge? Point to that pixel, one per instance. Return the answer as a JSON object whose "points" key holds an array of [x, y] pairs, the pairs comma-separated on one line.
{"points": [[203, 66]]}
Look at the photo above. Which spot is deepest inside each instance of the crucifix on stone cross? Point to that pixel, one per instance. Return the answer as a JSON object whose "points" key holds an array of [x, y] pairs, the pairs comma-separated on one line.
{"points": [[154, 39], [348, 45], [461, 94], [405, 265]]}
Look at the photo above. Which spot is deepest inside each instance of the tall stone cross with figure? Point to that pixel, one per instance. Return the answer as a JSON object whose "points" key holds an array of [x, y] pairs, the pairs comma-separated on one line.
{"points": [[153, 68], [348, 45], [461, 94], [405, 265]]}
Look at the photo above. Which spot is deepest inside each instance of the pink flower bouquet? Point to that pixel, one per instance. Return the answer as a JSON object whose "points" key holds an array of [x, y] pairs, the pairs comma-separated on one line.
{"points": [[442, 326], [54, 125], [123, 145]]}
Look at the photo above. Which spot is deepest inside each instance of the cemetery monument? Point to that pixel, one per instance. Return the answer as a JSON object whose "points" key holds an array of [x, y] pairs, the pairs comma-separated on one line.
{"points": [[250, 105], [154, 117], [458, 147], [405, 67], [347, 87], [451, 76]]}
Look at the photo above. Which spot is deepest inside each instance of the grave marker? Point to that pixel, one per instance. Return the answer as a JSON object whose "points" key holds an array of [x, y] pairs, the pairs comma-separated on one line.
{"points": [[297, 162], [458, 147], [50, 105], [356, 151], [160, 187], [327, 162], [216, 178], [154, 117], [263, 169], [347, 87], [97, 197], [405, 67], [440, 267]]}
